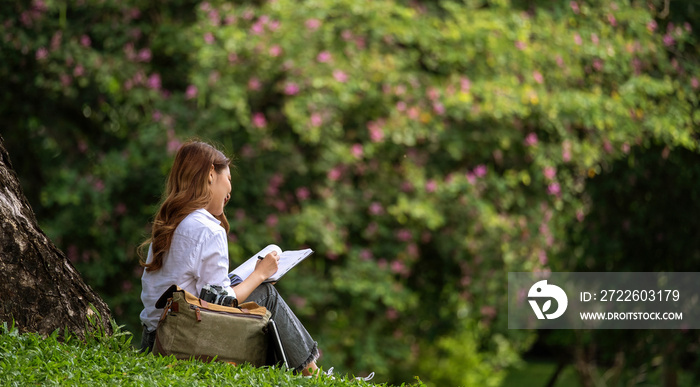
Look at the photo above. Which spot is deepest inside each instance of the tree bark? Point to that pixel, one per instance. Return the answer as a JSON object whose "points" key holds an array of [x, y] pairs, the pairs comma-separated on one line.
{"points": [[41, 290]]}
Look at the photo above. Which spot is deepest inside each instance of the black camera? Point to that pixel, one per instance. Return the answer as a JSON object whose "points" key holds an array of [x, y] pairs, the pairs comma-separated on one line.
{"points": [[217, 295]]}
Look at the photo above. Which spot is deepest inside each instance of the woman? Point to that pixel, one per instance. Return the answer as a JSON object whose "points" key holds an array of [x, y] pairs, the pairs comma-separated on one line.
{"points": [[188, 247]]}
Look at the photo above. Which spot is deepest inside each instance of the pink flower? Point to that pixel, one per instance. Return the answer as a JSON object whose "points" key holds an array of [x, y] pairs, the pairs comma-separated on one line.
{"points": [[154, 81], [543, 257], [275, 50], [401, 106], [597, 64], [376, 208], [480, 170], [191, 92], [625, 148], [430, 186], [531, 139], [652, 25], [144, 55], [324, 56], [42, 53], [413, 113], [577, 39], [257, 28], [56, 40], [340, 76], [303, 193], [471, 178], [607, 146], [271, 220], [594, 39], [611, 20], [259, 120], [98, 185], [357, 150], [209, 38], [520, 45], [554, 189], [560, 61], [232, 57], [438, 108], [694, 83], [465, 84], [412, 250], [574, 7], [668, 40], [78, 71], [65, 80], [550, 173], [433, 94], [291, 88], [313, 24], [334, 174], [566, 151], [537, 76], [366, 254], [376, 134], [254, 84], [404, 235], [85, 41], [173, 145], [398, 267], [214, 17], [316, 120]]}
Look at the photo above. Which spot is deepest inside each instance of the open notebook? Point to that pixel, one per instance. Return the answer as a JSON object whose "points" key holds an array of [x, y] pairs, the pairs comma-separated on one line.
{"points": [[288, 259]]}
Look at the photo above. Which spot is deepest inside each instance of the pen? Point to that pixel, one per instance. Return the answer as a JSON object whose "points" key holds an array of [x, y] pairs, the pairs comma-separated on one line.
{"points": [[259, 257]]}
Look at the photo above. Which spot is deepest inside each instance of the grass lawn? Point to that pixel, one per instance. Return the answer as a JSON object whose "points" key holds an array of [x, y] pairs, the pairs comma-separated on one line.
{"points": [[28, 359]]}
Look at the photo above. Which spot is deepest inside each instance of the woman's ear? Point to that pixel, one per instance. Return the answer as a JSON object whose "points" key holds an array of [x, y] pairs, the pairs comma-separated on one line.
{"points": [[212, 171]]}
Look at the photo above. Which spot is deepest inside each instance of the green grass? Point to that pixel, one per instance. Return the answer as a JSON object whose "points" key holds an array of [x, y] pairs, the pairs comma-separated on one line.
{"points": [[100, 360]]}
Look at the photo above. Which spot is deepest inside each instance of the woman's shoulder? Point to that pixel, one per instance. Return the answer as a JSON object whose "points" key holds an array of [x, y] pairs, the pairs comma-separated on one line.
{"points": [[199, 222]]}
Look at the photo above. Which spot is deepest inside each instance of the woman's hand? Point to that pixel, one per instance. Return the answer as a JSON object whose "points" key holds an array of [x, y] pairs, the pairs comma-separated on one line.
{"points": [[264, 268], [268, 265]]}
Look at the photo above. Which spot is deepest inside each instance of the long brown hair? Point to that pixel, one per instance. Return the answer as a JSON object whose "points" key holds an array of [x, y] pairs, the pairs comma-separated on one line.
{"points": [[187, 190]]}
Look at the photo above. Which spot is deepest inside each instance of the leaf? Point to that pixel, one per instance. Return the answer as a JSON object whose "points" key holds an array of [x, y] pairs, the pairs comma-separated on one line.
{"points": [[546, 306]]}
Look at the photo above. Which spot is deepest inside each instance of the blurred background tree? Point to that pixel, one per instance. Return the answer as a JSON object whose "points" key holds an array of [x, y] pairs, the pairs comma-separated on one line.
{"points": [[422, 149]]}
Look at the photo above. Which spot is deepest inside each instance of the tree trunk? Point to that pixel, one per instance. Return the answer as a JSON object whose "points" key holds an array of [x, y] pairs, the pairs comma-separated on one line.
{"points": [[41, 290]]}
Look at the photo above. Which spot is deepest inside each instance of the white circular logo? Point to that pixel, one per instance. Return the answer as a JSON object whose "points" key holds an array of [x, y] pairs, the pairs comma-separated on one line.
{"points": [[542, 290]]}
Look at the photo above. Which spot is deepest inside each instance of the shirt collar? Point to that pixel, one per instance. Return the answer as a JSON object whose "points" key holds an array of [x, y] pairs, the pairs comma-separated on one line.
{"points": [[208, 215]]}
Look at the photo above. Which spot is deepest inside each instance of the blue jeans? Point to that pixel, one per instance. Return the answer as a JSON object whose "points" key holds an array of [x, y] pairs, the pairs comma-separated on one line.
{"points": [[298, 345]]}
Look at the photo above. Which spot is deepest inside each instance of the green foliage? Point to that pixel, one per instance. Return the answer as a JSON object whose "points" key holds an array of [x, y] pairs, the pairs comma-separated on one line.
{"points": [[30, 359], [422, 150]]}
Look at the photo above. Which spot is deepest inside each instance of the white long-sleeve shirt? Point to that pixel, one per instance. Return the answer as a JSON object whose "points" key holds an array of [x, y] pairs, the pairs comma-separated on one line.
{"points": [[198, 256]]}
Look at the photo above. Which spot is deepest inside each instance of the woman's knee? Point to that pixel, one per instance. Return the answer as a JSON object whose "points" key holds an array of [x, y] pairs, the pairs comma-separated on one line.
{"points": [[263, 292]]}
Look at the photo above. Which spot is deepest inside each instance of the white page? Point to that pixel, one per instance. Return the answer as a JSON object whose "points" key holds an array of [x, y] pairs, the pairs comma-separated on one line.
{"points": [[288, 259]]}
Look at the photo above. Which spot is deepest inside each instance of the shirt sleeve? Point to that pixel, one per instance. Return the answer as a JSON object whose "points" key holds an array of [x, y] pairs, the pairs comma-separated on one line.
{"points": [[212, 268]]}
